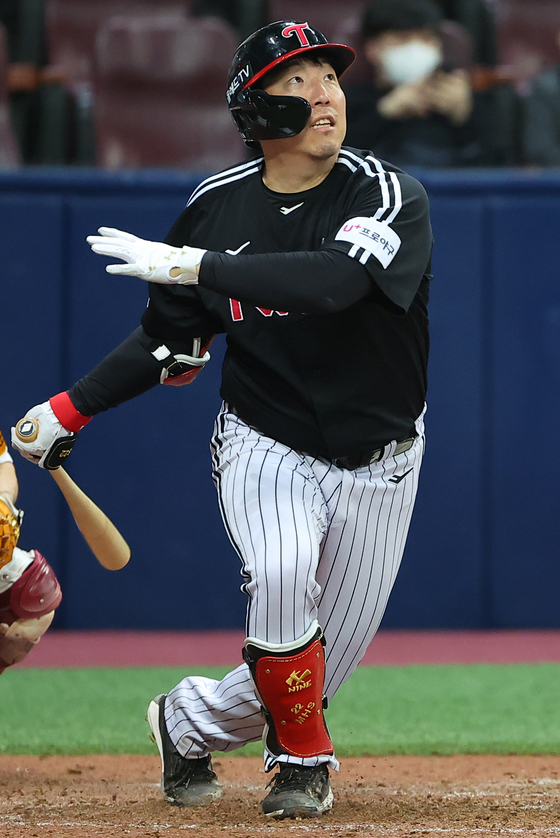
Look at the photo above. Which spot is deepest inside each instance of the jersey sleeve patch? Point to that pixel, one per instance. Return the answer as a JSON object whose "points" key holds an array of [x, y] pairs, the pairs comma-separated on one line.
{"points": [[372, 238]]}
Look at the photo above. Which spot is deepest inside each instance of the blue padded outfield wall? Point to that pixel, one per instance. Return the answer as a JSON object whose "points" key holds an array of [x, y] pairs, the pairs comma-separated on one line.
{"points": [[484, 546]]}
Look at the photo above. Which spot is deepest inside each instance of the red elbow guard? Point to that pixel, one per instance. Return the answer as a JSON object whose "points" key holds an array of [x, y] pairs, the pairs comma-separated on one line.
{"points": [[184, 378], [180, 379]]}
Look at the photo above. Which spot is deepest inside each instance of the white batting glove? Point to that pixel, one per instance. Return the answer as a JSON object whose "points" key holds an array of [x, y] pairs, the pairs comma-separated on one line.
{"points": [[152, 261], [40, 444]]}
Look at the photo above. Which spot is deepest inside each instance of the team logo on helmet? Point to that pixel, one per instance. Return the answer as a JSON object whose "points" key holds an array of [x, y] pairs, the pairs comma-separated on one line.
{"points": [[298, 30]]}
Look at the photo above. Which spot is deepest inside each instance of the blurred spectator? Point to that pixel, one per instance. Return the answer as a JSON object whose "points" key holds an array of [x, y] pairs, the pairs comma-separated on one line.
{"points": [[478, 19], [413, 112], [9, 17], [25, 27], [541, 134]]}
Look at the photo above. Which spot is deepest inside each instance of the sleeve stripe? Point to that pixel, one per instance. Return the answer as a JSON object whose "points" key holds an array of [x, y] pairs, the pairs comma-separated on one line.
{"points": [[347, 163], [391, 193], [222, 178], [385, 196], [398, 197]]}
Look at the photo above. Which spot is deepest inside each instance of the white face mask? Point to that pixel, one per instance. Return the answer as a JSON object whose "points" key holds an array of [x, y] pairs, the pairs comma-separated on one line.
{"points": [[410, 62]]}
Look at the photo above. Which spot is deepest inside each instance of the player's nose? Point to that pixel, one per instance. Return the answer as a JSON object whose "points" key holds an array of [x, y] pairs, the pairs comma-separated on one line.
{"points": [[319, 93]]}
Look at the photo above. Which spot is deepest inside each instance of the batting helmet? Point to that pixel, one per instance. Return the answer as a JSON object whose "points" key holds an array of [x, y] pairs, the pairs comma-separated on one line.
{"points": [[257, 114]]}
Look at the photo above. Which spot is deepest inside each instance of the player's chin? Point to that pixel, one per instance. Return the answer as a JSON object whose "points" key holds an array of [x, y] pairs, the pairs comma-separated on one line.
{"points": [[325, 147]]}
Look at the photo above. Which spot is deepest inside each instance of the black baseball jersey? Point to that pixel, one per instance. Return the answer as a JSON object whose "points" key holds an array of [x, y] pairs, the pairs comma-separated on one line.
{"points": [[322, 295], [328, 345]]}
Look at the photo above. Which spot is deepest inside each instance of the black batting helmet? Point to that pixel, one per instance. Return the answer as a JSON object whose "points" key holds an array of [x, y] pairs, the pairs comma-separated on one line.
{"points": [[257, 114]]}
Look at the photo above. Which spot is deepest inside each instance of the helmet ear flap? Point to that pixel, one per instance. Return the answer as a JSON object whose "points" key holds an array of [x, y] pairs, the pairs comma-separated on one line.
{"points": [[241, 120], [260, 116]]}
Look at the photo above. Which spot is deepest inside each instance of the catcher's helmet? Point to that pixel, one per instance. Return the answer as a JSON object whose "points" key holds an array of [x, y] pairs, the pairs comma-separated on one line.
{"points": [[257, 114]]}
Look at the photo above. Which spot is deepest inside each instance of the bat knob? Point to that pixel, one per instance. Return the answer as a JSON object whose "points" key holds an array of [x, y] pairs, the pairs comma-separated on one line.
{"points": [[27, 429]]}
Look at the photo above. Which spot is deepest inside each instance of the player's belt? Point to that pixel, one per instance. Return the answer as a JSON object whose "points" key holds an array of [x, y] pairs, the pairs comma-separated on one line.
{"points": [[363, 460]]}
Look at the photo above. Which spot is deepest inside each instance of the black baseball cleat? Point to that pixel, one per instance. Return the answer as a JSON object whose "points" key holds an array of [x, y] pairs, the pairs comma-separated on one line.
{"points": [[184, 782], [298, 792]]}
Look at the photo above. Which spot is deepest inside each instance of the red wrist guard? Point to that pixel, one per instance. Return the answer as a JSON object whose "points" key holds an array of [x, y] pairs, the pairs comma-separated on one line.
{"points": [[66, 413]]}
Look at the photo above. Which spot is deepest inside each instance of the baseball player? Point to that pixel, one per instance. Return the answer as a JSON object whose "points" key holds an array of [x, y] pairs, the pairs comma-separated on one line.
{"points": [[314, 259], [29, 589]]}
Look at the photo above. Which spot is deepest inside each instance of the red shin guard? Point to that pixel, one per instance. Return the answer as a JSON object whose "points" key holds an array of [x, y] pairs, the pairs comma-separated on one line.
{"points": [[291, 690]]}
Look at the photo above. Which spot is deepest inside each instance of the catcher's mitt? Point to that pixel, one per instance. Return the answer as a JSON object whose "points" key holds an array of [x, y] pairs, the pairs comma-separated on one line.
{"points": [[10, 525]]}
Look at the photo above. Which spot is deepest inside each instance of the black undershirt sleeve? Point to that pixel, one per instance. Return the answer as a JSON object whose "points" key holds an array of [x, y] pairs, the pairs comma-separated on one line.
{"points": [[129, 370], [311, 282]]}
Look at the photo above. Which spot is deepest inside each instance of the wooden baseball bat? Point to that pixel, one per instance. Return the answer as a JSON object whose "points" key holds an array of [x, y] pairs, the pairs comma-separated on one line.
{"points": [[103, 538], [101, 535]]}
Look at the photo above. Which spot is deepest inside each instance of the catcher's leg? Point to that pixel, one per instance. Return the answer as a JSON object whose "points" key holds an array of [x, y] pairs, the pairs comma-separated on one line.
{"points": [[29, 595]]}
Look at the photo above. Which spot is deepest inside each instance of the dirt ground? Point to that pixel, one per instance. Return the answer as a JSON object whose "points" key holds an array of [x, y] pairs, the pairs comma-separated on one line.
{"points": [[79, 797]]}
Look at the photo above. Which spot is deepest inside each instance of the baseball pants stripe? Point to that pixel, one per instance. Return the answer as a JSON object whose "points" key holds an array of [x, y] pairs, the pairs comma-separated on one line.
{"points": [[316, 542]]}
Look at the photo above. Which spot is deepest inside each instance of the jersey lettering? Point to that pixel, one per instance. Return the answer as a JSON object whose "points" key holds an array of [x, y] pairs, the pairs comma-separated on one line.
{"points": [[268, 312], [237, 311], [297, 29]]}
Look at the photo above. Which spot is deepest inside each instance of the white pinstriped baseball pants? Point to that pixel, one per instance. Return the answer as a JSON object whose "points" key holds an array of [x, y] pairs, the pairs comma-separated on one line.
{"points": [[316, 542]]}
